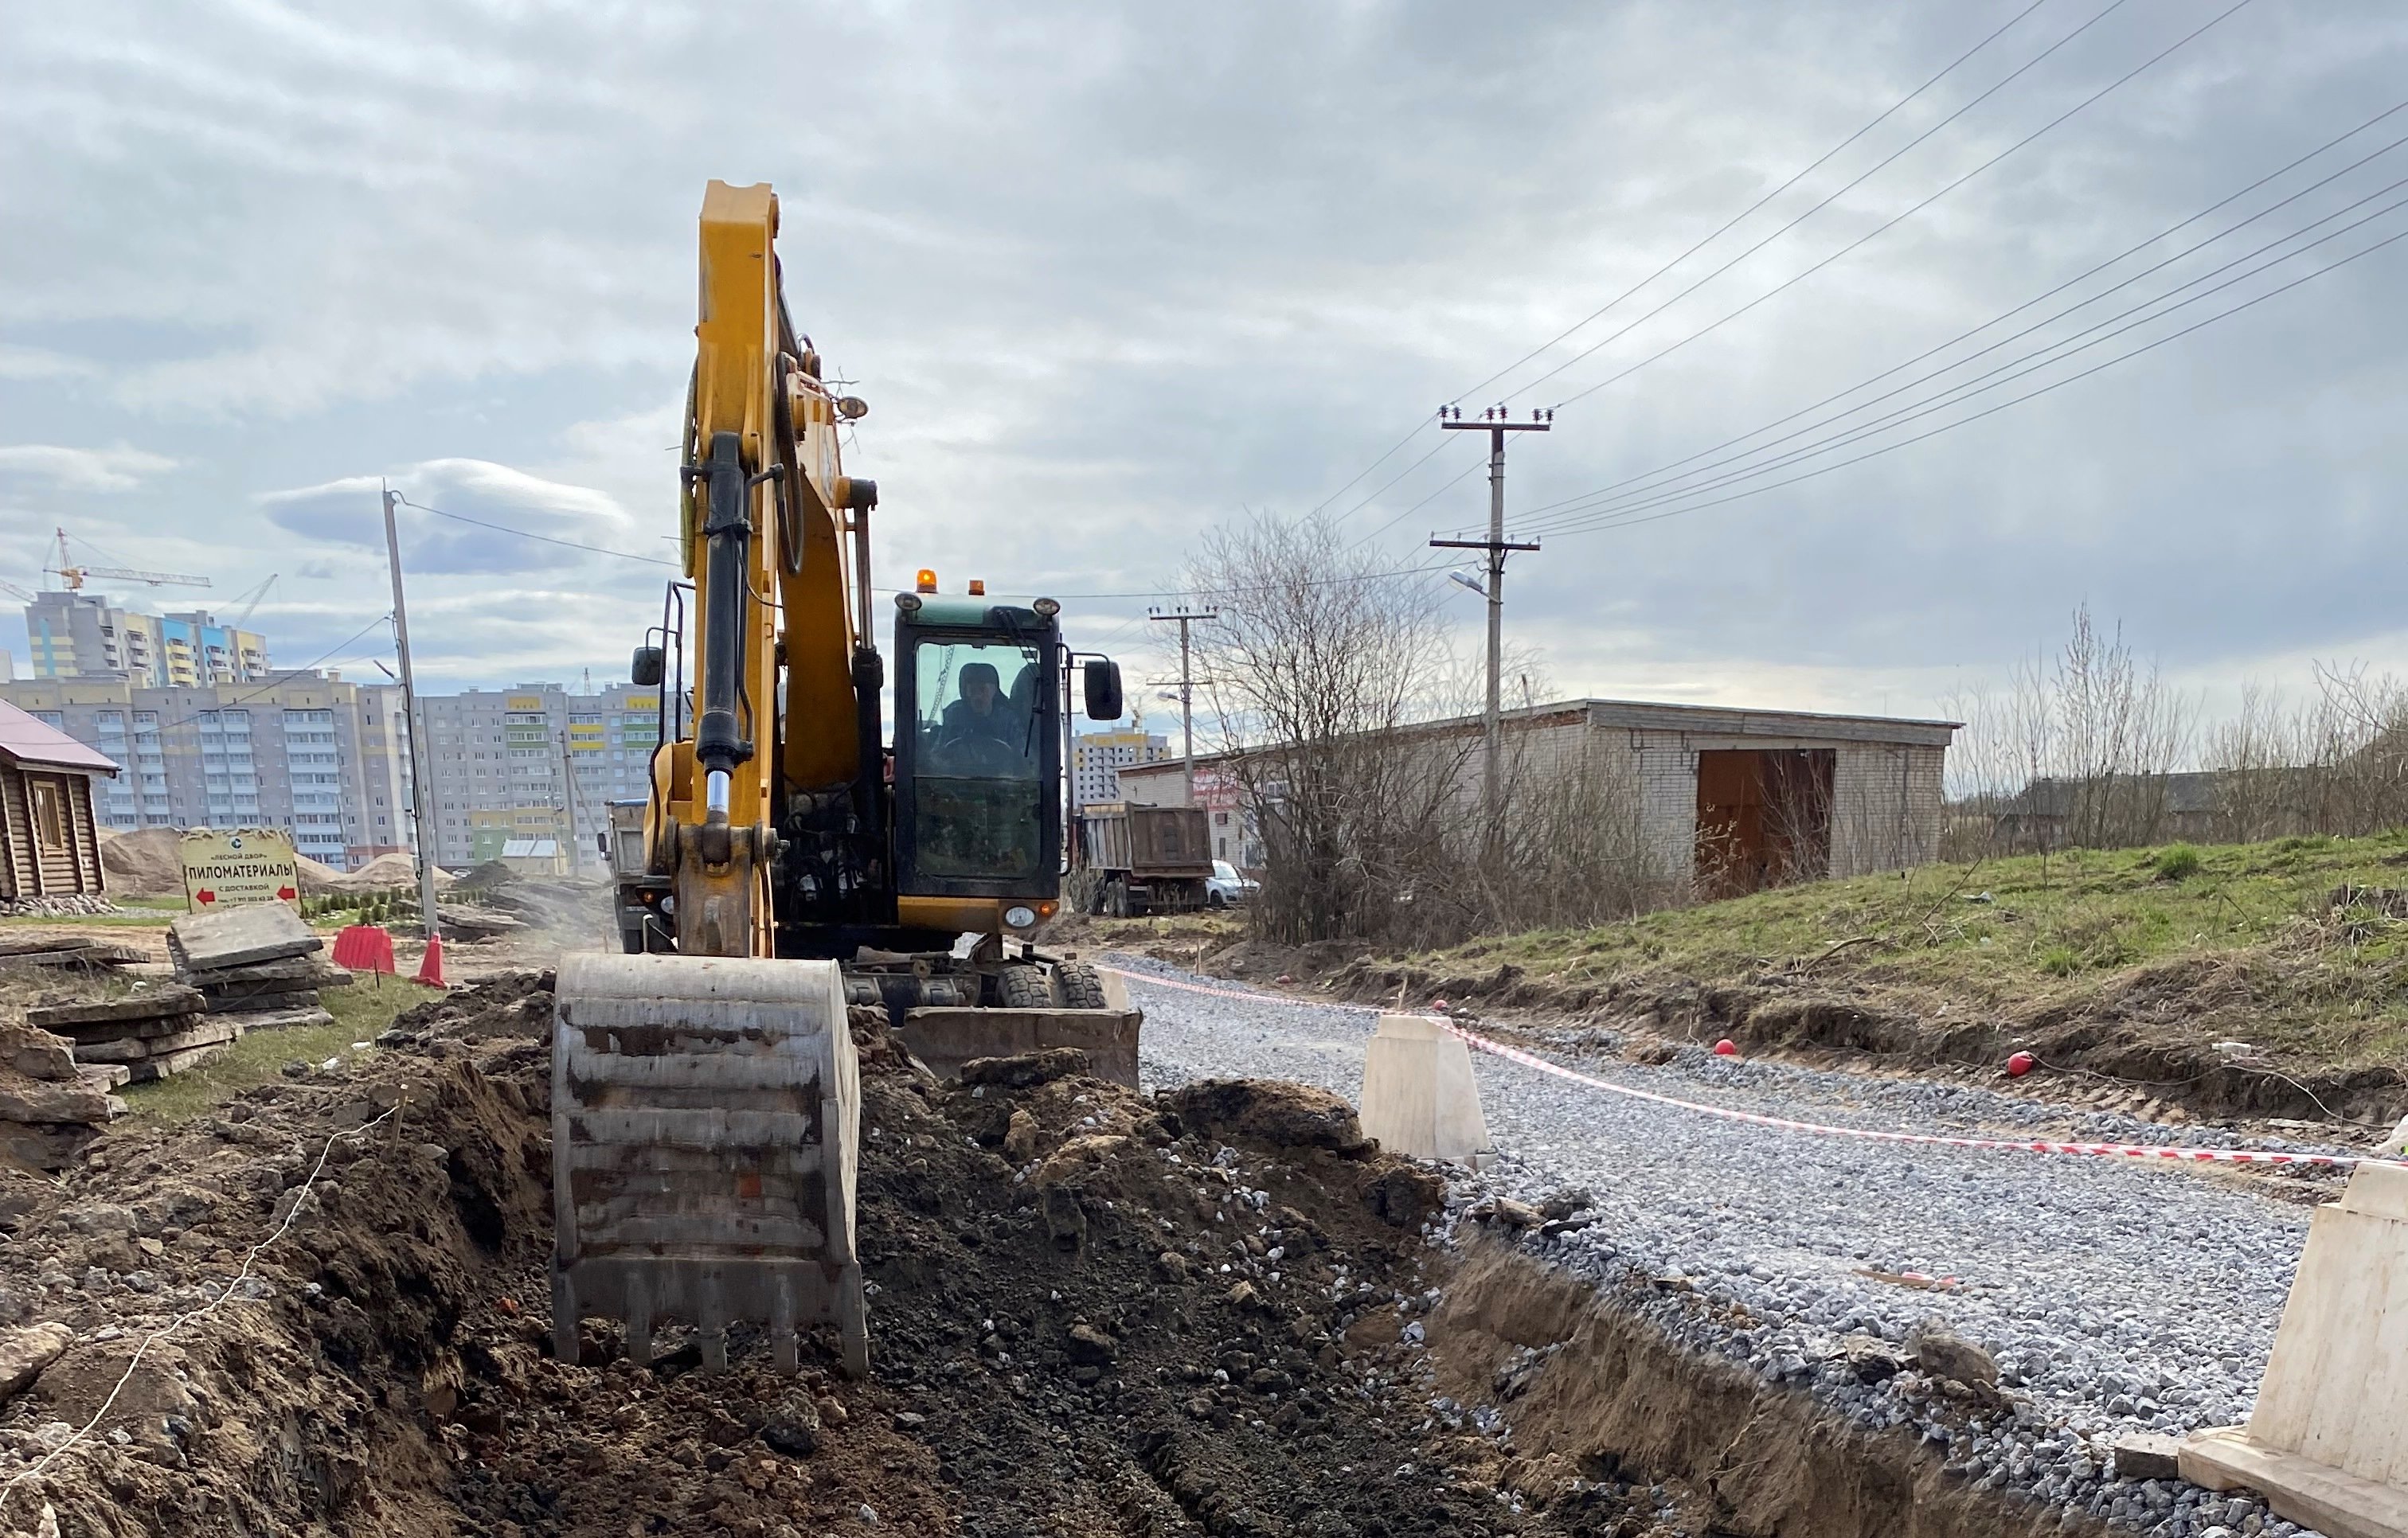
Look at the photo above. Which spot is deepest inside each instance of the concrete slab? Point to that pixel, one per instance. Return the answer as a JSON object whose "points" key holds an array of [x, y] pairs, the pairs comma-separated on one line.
{"points": [[144, 1003], [258, 932]]}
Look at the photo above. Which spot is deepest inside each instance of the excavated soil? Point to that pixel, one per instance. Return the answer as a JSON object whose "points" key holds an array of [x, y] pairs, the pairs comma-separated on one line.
{"points": [[1095, 1314]]}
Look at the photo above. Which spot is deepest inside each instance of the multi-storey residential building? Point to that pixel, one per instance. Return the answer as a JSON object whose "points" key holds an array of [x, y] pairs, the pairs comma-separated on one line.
{"points": [[90, 635], [535, 761], [313, 753], [1098, 758]]}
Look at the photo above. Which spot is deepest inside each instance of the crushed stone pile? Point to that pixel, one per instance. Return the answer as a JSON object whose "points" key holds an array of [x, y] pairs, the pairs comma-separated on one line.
{"points": [[1094, 1313]]}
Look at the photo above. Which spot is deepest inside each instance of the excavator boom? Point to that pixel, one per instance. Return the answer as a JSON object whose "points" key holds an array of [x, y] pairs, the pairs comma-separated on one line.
{"points": [[795, 868]]}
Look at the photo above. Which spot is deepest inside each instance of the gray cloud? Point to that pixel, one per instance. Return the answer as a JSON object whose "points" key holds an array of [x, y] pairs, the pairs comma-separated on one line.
{"points": [[1110, 277]]}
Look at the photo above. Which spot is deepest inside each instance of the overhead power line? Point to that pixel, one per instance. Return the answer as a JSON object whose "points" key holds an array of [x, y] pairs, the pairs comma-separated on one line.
{"points": [[1819, 161], [2063, 346], [2039, 298], [1797, 177], [1874, 232], [529, 534], [1609, 521]]}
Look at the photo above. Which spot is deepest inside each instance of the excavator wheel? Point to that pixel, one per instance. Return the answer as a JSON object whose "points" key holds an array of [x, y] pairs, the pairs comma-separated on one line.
{"points": [[1081, 987], [706, 1113], [1024, 988]]}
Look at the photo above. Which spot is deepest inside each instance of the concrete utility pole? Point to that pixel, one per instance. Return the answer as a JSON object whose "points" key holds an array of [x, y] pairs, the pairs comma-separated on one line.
{"points": [[1186, 688], [419, 790], [569, 791], [1494, 423]]}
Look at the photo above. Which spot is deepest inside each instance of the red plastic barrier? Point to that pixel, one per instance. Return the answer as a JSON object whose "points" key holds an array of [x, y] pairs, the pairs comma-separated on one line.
{"points": [[364, 947], [430, 970]]}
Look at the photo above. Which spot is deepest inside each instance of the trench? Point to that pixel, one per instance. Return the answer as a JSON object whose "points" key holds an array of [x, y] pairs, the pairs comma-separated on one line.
{"points": [[1593, 1391]]}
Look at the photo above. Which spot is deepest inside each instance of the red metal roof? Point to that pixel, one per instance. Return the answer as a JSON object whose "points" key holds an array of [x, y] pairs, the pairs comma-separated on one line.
{"points": [[25, 741]]}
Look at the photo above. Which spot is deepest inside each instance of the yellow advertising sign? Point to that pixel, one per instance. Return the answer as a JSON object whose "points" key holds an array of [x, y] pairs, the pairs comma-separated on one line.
{"points": [[225, 867]]}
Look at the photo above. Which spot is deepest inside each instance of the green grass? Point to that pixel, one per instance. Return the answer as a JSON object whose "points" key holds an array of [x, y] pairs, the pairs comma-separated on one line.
{"points": [[360, 1011], [2239, 938]]}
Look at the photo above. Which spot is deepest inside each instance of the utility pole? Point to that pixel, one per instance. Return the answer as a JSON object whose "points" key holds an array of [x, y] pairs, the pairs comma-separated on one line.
{"points": [[1186, 690], [1494, 423], [419, 788], [569, 791]]}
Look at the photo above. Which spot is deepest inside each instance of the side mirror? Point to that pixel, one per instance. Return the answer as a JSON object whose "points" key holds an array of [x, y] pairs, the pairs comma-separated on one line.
{"points": [[647, 669], [1103, 683]]}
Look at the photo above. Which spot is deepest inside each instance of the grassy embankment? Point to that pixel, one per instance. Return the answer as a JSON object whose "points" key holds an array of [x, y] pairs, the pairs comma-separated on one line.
{"points": [[2241, 942]]}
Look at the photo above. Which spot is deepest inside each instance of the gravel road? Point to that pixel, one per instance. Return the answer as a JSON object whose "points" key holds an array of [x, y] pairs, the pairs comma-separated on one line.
{"points": [[2119, 1297]]}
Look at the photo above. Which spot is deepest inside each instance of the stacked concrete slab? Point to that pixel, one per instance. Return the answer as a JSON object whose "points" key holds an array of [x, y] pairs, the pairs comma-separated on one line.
{"points": [[149, 1032], [258, 963], [50, 1105]]}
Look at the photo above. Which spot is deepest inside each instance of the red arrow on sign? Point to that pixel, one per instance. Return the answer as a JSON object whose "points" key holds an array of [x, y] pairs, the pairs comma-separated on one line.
{"points": [[287, 894], [205, 895]]}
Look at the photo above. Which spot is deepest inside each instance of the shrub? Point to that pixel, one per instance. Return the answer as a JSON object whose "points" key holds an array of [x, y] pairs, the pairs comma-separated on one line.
{"points": [[2177, 862]]}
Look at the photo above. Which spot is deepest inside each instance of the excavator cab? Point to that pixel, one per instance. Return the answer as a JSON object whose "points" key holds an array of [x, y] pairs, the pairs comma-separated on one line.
{"points": [[977, 751]]}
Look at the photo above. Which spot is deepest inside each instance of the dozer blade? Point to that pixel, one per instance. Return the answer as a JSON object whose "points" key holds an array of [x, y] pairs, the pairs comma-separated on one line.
{"points": [[944, 1038], [704, 1120]]}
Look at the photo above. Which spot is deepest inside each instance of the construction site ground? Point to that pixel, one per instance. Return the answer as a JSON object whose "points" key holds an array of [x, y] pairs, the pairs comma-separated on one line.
{"points": [[1205, 1308]]}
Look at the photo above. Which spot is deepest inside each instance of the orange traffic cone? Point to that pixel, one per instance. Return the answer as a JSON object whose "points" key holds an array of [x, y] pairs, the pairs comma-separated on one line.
{"points": [[430, 970]]}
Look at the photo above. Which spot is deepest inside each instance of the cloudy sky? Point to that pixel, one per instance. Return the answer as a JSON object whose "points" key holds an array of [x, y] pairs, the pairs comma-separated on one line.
{"points": [[1109, 276]]}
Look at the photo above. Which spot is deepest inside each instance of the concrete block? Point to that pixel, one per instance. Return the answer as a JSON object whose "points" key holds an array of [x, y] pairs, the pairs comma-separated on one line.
{"points": [[2328, 1443], [1419, 1097]]}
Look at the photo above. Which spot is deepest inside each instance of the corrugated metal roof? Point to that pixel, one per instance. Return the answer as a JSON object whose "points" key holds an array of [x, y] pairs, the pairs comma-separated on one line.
{"points": [[24, 740]]}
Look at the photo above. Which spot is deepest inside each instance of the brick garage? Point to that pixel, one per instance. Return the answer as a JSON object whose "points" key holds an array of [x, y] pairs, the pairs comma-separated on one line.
{"points": [[1724, 800]]}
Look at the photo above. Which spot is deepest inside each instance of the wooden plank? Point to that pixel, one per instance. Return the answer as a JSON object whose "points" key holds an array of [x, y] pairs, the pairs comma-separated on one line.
{"points": [[2299, 1489]]}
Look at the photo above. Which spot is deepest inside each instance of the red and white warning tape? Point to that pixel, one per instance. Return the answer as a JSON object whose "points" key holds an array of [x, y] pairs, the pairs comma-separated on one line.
{"points": [[2102, 1150]]}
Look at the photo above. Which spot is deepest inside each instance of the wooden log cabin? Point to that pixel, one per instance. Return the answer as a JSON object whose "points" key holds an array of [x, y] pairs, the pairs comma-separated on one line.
{"points": [[51, 847]]}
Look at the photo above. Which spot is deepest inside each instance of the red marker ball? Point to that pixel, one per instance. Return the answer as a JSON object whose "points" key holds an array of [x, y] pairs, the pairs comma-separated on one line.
{"points": [[2020, 1064], [1725, 1048]]}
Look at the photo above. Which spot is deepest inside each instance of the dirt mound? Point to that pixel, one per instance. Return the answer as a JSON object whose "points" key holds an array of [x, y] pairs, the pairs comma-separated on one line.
{"points": [[1090, 1319], [143, 861], [395, 872]]}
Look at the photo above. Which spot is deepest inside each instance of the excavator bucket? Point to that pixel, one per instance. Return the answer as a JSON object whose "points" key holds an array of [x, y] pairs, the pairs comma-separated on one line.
{"points": [[705, 1116]]}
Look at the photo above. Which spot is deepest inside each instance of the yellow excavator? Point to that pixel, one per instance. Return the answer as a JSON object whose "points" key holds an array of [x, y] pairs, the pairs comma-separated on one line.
{"points": [[796, 868]]}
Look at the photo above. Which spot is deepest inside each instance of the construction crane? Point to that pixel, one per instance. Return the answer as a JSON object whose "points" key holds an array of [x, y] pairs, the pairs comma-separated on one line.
{"points": [[249, 601], [69, 572], [795, 867], [11, 589]]}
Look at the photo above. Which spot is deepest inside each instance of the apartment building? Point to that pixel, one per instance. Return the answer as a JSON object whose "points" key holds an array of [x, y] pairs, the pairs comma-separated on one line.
{"points": [[534, 761], [1098, 758], [90, 635], [313, 753]]}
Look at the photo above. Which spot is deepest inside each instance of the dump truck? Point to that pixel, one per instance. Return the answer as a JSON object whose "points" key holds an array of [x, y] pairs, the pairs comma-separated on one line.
{"points": [[799, 871], [1146, 859]]}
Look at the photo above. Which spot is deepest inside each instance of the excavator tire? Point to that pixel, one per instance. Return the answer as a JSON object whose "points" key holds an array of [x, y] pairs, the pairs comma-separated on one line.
{"points": [[1081, 988], [1024, 988], [706, 1119]]}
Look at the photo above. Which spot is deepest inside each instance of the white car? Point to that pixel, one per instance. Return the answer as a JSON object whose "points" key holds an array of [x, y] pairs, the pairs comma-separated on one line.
{"points": [[1225, 887]]}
